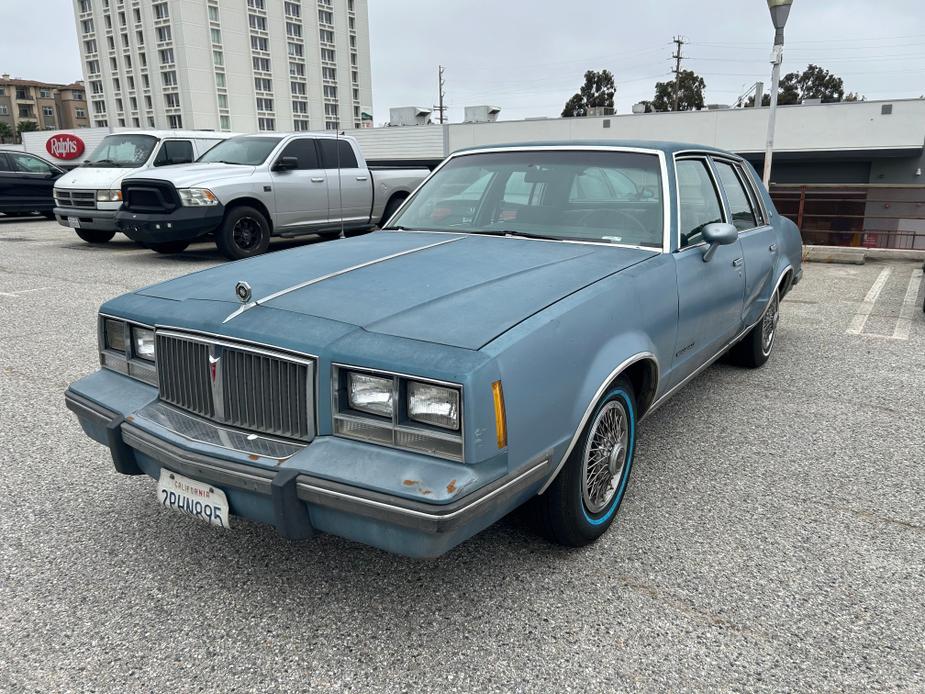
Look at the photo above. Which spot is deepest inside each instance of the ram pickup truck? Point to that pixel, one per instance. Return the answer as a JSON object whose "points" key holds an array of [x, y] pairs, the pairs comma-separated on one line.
{"points": [[249, 188]]}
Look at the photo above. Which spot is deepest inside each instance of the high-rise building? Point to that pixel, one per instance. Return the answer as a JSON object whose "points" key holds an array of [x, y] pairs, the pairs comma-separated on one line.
{"points": [[241, 65]]}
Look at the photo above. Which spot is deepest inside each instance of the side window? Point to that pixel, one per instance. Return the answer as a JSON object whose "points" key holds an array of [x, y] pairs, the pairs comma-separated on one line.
{"points": [[305, 151], [754, 187], [699, 202], [4, 164], [740, 203], [27, 164], [334, 152], [174, 152]]}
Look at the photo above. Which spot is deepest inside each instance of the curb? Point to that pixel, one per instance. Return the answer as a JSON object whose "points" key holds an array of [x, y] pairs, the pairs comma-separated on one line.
{"points": [[858, 256]]}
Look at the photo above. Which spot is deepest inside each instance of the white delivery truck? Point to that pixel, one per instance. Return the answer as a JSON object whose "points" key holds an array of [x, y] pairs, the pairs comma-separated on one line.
{"points": [[87, 198]]}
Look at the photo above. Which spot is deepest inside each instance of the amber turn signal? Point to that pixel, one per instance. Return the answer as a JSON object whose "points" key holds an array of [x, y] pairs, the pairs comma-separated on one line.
{"points": [[500, 417]]}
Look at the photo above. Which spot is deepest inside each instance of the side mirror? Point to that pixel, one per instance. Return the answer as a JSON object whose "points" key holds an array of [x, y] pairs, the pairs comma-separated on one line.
{"points": [[718, 234], [286, 164]]}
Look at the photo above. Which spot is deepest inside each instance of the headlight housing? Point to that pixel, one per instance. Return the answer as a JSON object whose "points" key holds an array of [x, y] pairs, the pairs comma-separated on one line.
{"points": [[114, 334], [197, 197], [109, 195], [143, 343], [127, 348], [436, 405], [372, 394]]}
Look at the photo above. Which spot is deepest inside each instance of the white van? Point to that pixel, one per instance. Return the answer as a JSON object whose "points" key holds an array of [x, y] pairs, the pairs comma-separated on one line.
{"points": [[87, 198]]}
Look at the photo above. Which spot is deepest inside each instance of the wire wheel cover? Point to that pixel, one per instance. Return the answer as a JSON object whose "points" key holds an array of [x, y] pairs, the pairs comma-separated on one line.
{"points": [[769, 324], [604, 456]]}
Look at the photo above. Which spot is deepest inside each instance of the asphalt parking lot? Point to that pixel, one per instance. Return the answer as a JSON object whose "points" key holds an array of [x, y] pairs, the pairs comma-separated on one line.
{"points": [[773, 537]]}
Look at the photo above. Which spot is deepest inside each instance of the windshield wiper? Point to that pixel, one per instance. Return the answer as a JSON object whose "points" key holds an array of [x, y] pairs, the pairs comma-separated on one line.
{"points": [[97, 162], [401, 228], [512, 232]]}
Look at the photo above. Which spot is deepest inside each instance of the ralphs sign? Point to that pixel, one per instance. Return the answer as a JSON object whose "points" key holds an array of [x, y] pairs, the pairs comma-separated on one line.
{"points": [[65, 146]]}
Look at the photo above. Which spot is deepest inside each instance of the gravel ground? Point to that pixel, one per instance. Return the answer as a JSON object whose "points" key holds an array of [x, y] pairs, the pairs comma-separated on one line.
{"points": [[772, 538]]}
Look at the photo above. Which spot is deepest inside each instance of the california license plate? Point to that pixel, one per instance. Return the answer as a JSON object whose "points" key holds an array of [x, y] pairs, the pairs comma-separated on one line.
{"points": [[196, 499], [73, 222]]}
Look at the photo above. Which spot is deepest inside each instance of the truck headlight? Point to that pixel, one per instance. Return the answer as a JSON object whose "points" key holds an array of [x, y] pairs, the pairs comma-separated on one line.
{"points": [[197, 197], [370, 393], [109, 195], [430, 404], [143, 343]]}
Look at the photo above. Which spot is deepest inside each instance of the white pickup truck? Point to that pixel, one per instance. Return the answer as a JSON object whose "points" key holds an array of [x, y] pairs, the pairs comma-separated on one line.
{"points": [[249, 188]]}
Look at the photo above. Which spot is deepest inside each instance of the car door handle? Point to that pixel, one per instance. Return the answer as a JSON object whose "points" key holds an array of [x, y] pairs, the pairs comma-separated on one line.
{"points": [[361, 178], [317, 180], [737, 262], [772, 248]]}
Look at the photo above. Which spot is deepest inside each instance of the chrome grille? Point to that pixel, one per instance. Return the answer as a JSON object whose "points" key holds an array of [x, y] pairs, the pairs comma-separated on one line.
{"points": [[244, 387], [76, 198]]}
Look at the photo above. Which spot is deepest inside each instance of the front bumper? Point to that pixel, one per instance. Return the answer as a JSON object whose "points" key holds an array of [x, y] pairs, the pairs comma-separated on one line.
{"points": [[183, 224], [299, 496], [93, 219]]}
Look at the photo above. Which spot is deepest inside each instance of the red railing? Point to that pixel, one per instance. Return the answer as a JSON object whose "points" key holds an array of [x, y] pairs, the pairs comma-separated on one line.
{"points": [[866, 215]]}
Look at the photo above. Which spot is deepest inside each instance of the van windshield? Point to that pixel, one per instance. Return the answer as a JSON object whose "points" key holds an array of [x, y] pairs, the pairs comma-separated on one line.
{"points": [[247, 150], [122, 151]]}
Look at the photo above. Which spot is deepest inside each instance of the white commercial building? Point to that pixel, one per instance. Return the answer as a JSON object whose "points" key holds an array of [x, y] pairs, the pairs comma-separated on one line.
{"points": [[241, 65]]}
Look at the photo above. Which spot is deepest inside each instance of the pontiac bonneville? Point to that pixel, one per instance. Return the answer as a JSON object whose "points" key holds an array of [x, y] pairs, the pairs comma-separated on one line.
{"points": [[497, 343]]}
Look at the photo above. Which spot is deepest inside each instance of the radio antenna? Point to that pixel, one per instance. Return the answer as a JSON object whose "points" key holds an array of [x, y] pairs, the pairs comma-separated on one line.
{"points": [[340, 181]]}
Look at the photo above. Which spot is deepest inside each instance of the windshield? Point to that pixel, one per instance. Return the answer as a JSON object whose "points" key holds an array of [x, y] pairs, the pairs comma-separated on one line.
{"points": [[610, 197], [122, 150], [249, 151]]}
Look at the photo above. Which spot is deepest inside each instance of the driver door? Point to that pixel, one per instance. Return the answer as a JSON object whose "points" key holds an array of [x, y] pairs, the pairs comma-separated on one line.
{"points": [[301, 194]]}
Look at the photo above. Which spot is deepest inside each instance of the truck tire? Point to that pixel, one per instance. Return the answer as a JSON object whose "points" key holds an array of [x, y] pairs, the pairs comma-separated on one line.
{"points": [[391, 208], [168, 247], [244, 233], [95, 235]]}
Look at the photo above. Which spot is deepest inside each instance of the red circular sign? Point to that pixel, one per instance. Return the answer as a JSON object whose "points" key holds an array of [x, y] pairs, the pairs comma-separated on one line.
{"points": [[65, 146]]}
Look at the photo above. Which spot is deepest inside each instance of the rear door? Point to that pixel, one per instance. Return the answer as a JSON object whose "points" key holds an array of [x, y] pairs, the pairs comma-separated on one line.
{"points": [[301, 194], [8, 184], [710, 293], [755, 234], [349, 187]]}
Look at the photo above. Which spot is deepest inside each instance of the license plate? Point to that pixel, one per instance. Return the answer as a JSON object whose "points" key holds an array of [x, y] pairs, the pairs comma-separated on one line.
{"points": [[196, 499], [73, 222]]}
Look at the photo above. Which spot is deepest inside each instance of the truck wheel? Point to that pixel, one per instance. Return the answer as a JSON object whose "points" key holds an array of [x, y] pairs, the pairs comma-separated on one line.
{"points": [[95, 235], [168, 247], [244, 233], [390, 209]]}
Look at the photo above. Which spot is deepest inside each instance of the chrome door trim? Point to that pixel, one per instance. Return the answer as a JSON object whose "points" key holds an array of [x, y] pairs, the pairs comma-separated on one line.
{"points": [[639, 356]]}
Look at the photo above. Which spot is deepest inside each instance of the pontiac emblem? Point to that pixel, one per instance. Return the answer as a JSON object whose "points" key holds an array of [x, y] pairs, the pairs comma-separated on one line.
{"points": [[213, 367], [243, 290]]}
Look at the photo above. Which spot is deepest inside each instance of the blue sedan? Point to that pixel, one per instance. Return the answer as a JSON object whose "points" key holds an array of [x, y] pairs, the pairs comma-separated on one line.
{"points": [[498, 343]]}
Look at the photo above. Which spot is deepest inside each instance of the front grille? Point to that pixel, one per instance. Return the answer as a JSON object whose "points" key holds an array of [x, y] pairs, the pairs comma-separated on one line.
{"points": [[243, 387], [141, 199], [149, 195], [76, 198]]}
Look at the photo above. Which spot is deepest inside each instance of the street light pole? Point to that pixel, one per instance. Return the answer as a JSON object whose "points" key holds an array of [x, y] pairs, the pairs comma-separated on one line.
{"points": [[780, 10]]}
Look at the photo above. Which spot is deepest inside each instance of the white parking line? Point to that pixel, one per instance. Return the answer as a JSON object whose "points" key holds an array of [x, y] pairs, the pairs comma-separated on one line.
{"points": [[910, 303], [864, 310], [24, 291]]}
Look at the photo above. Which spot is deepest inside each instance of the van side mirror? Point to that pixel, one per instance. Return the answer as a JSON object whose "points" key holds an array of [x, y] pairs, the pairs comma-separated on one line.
{"points": [[717, 234], [286, 164]]}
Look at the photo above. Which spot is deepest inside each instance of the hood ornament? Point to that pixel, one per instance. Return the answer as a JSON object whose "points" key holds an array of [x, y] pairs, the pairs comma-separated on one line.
{"points": [[243, 291]]}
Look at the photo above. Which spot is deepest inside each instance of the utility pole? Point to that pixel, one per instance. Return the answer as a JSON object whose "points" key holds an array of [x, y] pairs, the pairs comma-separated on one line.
{"points": [[441, 84], [679, 41]]}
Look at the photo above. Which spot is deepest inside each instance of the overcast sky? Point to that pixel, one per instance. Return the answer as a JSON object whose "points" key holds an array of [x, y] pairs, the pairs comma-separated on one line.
{"points": [[528, 56]]}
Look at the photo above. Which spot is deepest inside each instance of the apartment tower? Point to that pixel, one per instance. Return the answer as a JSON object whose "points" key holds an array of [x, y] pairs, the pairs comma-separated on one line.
{"points": [[237, 65]]}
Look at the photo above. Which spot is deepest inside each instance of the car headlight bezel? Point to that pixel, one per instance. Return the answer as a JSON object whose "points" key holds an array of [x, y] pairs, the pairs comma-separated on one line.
{"points": [[197, 197], [109, 195], [118, 351]]}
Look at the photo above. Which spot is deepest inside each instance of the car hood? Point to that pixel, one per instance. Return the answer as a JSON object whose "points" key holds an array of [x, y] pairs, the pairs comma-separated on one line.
{"points": [[459, 290], [185, 175], [93, 178]]}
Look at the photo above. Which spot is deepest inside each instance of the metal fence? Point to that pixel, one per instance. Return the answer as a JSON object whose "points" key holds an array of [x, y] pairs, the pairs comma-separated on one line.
{"points": [[864, 215]]}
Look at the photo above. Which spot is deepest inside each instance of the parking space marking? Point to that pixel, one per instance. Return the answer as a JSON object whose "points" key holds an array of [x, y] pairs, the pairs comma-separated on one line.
{"points": [[24, 291], [864, 310], [910, 303]]}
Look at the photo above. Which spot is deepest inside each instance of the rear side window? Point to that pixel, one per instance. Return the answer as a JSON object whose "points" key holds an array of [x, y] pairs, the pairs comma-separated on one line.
{"points": [[304, 150], [699, 200], [337, 154], [740, 202]]}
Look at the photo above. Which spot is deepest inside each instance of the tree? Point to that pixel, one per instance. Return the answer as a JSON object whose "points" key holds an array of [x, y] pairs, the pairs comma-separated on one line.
{"points": [[597, 91], [26, 126], [690, 93], [5, 131], [813, 83]]}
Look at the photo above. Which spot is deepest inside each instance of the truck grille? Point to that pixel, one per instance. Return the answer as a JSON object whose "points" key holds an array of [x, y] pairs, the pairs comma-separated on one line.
{"points": [[149, 196], [76, 198], [241, 386]]}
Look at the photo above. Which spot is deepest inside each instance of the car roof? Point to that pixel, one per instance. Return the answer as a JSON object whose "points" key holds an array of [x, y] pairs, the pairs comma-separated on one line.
{"points": [[669, 147]]}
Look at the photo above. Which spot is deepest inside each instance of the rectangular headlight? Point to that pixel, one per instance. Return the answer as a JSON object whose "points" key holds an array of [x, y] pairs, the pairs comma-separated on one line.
{"points": [[143, 343], [370, 393], [109, 195], [197, 197], [114, 335], [436, 405]]}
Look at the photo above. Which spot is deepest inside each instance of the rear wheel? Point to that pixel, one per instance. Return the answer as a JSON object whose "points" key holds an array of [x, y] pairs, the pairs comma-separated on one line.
{"points": [[755, 348], [244, 233], [582, 501], [168, 247], [95, 235]]}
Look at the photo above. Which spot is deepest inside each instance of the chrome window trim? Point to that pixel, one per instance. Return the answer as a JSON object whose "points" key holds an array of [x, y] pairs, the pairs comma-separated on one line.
{"points": [[393, 423], [639, 356], [736, 167], [663, 169], [696, 156]]}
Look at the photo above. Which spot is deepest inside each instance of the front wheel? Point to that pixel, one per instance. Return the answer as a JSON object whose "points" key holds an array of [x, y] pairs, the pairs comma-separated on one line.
{"points": [[95, 235], [582, 501], [244, 233], [755, 348], [168, 247]]}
